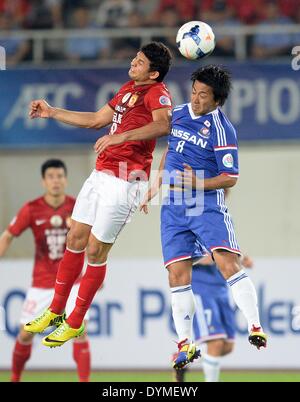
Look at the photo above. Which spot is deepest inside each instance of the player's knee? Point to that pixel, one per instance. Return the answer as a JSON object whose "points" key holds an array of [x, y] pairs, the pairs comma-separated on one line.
{"points": [[179, 277], [96, 254], [76, 240], [230, 268], [25, 337], [215, 347], [228, 348]]}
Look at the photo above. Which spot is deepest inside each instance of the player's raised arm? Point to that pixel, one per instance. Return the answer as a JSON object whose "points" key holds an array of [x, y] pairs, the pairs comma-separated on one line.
{"points": [[5, 240], [154, 189], [189, 179], [157, 128], [41, 109]]}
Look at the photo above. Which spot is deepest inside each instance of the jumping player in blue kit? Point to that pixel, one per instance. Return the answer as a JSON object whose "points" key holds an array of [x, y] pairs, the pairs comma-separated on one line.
{"points": [[201, 160]]}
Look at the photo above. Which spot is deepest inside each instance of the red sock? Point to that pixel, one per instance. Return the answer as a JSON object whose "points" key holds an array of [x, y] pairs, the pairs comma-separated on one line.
{"points": [[82, 357], [69, 269], [90, 283], [20, 356]]}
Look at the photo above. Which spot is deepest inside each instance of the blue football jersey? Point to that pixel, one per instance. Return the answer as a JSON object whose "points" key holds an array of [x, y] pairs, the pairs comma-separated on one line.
{"points": [[207, 143]]}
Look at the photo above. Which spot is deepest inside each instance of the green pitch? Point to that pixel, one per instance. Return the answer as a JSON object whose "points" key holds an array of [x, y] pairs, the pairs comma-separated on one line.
{"points": [[228, 376]]}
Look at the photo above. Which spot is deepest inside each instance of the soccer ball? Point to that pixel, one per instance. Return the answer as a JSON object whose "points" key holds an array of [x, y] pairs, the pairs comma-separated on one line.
{"points": [[195, 40]]}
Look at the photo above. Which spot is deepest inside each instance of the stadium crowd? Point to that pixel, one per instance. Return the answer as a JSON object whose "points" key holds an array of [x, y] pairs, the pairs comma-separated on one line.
{"points": [[84, 14]]}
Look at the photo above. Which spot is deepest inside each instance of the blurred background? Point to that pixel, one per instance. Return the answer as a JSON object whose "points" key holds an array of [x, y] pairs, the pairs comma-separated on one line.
{"points": [[76, 55]]}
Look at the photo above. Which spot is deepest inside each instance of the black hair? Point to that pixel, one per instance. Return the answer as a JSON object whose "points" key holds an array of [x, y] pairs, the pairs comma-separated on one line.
{"points": [[160, 58], [53, 163], [218, 78]]}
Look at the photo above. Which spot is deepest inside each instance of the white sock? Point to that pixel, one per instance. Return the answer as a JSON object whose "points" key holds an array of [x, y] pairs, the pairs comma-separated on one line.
{"points": [[183, 309], [211, 368], [244, 295]]}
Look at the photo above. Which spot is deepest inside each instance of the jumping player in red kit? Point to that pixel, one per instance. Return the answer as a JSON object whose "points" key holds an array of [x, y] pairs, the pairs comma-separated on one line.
{"points": [[138, 114], [49, 219]]}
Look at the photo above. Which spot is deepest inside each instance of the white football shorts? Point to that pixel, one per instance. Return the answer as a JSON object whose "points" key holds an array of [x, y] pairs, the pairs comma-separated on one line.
{"points": [[38, 299], [107, 203]]}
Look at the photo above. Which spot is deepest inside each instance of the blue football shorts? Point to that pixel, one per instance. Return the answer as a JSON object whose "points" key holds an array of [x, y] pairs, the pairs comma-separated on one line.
{"points": [[214, 315], [186, 221]]}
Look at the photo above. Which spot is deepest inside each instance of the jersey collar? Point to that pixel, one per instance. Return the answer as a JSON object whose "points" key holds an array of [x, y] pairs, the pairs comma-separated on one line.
{"points": [[194, 117]]}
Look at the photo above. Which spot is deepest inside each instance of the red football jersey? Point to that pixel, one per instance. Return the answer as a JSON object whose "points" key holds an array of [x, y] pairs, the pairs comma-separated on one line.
{"points": [[49, 227], [133, 107]]}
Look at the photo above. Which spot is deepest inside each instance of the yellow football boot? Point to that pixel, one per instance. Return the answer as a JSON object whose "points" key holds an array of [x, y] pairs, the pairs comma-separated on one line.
{"points": [[62, 334], [47, 319]]}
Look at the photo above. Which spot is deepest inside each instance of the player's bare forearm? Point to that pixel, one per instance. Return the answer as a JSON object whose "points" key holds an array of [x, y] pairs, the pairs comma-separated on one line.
{"points": [[159, 177], [5, 241], [152, 130], [41, 109], [154, 189], [188, 179], [78, 119], [157, 128], [221, 181]]}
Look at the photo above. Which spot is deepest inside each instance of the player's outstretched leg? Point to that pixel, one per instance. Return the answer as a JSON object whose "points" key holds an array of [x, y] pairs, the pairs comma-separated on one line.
{"points": [[187, 353], [257, 337], [183, 310], [62, 334], [45, 320], [243, 293]]}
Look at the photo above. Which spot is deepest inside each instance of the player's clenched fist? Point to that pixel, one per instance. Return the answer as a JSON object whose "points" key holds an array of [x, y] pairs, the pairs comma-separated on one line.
{"points": [[39, 108]]}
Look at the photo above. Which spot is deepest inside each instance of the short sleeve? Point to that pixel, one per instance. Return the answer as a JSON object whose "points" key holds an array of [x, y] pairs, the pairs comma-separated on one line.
{"points": [[226, 149], [157, 98], [20, 222], [114, 101]]}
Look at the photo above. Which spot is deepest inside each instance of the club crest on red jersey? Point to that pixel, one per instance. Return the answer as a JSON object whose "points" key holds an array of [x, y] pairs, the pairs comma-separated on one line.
{"points": [[56, 221], [133, 100]]}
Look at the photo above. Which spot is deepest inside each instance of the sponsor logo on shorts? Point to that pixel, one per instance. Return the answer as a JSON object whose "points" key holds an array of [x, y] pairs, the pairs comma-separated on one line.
{"points": [[228, 160], [165, 100]]}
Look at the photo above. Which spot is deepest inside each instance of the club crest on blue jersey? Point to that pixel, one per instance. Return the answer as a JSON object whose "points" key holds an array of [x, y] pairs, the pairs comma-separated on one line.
{"points": [[204, 132], [228, 160]]}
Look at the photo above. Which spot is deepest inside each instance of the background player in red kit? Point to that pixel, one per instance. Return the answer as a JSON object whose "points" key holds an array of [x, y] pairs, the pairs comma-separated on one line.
{"points": [[138, 114], [49, 219]]}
